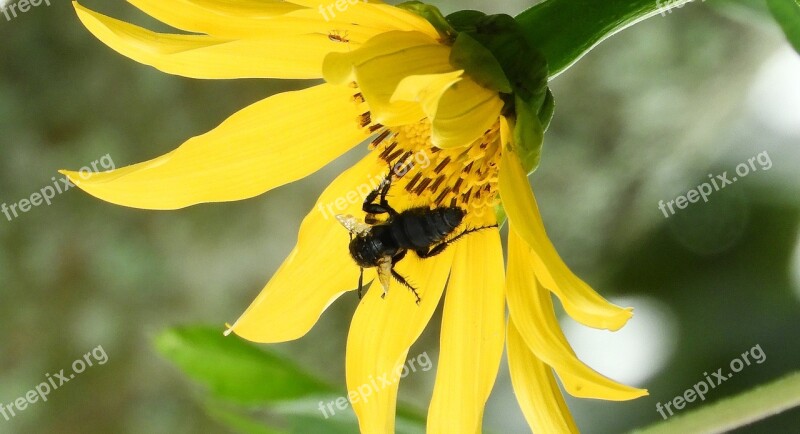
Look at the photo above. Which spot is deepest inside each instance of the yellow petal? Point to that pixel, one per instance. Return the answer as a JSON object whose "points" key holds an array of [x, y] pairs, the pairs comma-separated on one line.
{"points": [[381, 333], [426, 90], [464, 114], [373, 14], [203, 56], [381, 64], [580, 301], [536, 389], [461, 111], [318, 270], [270, 143], [473, 328], [270, 18], [531, 309], [254, 20], [240, 19], [506, 131]]}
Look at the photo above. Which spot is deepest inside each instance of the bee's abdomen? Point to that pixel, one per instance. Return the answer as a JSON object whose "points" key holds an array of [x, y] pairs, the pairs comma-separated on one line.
{"points": [[419, 228]]}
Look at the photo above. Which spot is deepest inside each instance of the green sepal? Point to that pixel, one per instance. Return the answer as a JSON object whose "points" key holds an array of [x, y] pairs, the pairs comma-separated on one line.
{"points": [[528, 134], [433, 15], [479, 63], [464, 21], [525, 66], [495, 52], [547, 110]]}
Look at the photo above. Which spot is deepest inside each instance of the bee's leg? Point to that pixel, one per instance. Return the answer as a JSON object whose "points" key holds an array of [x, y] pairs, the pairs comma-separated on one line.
{"points": [[382, 207], [405, 283], [361, 284], [381, 190], [370, 199], [395, 259], [399, 257], [439, 248]]}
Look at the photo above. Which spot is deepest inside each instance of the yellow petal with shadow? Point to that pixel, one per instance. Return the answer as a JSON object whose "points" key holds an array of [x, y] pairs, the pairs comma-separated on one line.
{"points": [[271, 143], [472, 336], [426, 89], [241, 19], [464, 114], [373, 14], [255, 20], [579, 300], [381, 64], [210, 57], [531, 309], [318, 270], [538, 394], [381, 332]]}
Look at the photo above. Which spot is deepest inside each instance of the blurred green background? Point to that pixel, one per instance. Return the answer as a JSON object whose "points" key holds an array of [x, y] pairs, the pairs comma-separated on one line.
{"points": [[645, 117]]}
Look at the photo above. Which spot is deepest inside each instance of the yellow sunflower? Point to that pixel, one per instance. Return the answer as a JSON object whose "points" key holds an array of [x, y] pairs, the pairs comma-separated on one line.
{"points": [[443, 140]]}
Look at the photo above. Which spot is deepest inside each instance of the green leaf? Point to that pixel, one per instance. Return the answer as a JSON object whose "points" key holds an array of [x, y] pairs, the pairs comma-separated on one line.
{"points": [[565, 30], [235, 370], [238, 422], [304, 424], [787, 14], [736, 412]]}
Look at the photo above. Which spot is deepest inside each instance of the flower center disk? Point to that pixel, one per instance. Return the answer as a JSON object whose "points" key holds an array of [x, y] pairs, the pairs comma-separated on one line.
{"points": [[465, 177]]}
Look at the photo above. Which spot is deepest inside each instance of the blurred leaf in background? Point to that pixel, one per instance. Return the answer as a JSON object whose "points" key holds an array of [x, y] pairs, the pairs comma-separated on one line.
{"points": [[787, 13], [251, 389]]}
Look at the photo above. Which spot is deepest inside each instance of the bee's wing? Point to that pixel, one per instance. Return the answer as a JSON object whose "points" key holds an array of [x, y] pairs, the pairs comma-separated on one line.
{"points": [[353, 225]]}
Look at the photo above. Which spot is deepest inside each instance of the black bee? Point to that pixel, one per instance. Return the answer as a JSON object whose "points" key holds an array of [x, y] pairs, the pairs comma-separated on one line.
{"points": [[383, 244]]}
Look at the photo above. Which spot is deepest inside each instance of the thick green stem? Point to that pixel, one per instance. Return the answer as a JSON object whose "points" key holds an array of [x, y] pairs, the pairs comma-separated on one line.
{"points": [[565, 30], [735, 412]]}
